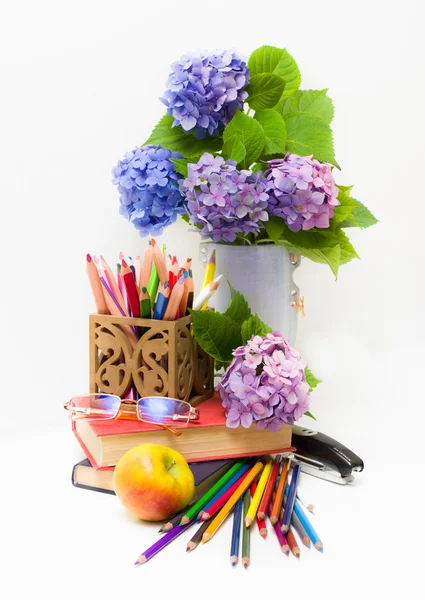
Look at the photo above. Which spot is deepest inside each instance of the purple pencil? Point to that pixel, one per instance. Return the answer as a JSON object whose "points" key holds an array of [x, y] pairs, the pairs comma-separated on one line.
{"points": [[281, 538], [162, 542]]}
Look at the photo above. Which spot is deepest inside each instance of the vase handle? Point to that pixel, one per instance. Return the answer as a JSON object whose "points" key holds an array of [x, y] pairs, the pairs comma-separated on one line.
{"points": [[297, 301]]}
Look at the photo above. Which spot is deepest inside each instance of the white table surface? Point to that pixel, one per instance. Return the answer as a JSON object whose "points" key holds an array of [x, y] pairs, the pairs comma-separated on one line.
{"points": [[59, 541]]}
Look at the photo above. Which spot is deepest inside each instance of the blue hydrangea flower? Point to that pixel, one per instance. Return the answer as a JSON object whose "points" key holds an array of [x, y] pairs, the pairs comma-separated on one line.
{"points": [[223, 201], [149, 188], [204, 91]]}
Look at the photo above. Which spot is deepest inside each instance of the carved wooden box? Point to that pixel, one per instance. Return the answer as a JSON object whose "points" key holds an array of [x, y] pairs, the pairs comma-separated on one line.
{"points": [[165, 361]]}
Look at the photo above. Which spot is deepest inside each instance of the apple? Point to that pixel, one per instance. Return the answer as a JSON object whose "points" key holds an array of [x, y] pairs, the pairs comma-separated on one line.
{"points": [[153, 482]]}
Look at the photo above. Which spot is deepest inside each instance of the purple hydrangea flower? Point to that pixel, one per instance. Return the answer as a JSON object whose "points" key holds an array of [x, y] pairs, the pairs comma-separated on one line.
{"points": [[149, 188], [302, 191], [225, 202], [265, 384], [204, 91]]}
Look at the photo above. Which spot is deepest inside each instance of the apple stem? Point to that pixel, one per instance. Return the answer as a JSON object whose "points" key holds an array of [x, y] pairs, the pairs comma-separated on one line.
{"points": [[172, 465]]}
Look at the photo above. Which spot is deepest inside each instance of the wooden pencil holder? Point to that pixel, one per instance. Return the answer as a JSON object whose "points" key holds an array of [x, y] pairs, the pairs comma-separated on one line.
{"points": [[164, 361]]}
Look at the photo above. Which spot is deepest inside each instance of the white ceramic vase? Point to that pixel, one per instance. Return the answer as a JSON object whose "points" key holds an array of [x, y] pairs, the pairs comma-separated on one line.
{"points": [[264, 275]]}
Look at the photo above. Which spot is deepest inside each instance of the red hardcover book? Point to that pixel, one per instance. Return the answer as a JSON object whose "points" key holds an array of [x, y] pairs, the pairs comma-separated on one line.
{"points": [[104, 442]]}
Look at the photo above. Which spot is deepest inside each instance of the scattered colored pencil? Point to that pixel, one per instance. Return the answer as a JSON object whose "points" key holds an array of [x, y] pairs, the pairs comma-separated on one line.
{"points": [[206, 293], [283, 542], [290, 501], [252, 512], [222, 496], [196, 539], [301, 498], [292, 542], [261, 523], [278, 501], [308, 526], [246, 532], [194, 510], [221, 516], [162, 542], [265, 500], [236, 532], [299, 528]]}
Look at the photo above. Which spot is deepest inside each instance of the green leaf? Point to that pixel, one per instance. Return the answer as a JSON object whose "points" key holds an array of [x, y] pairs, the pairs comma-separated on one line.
{"points": [[345, 209], [180, 165], [309, 135], [312, 380], [238, 309], [269, 59], [274, 227], [249, 132], [274, 130], [253, 326], [264, 90], [217, 334], [330, 255], [308, 414], [315, 102], [364, 218], [233, 148], [175, 139], [348, 252]]}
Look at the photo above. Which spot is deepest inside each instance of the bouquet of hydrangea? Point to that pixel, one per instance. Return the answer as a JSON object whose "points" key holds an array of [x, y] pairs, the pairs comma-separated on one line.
{"points": [[246, 157]]}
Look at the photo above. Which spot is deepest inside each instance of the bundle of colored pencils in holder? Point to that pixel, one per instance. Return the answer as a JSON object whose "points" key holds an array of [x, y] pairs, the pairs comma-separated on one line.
{"points": [[251, 491], [154, 286]]}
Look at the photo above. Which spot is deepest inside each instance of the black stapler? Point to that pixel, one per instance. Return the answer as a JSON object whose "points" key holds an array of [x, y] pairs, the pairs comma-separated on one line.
{"points": [[324, 457]]}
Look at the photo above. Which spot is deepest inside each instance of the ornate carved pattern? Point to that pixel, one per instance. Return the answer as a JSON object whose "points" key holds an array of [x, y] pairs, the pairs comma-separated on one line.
{"points": [[113, 374], [150, 364], [184, 367]]}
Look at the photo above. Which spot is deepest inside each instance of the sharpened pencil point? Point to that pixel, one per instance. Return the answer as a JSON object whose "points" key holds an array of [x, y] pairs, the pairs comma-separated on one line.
{"points": [[248, 522], [88, 257], [184, 521], [206, 538], [233, 561]]}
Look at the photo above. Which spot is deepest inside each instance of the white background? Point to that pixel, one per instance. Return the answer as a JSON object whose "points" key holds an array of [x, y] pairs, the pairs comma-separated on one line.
{"points": [[80, 83]]}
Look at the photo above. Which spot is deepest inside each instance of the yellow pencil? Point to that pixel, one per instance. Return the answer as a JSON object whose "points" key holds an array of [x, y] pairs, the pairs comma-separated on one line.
{"points": [[208, 275], [255, 502], [224, 512]]}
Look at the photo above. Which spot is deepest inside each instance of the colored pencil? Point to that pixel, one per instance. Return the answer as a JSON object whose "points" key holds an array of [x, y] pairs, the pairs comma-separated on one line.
{"points": [[130, 286], [175, 297], [292, 542], [186, 265], [190, 290], [301, 498], [116, 310], [113, 285], [308, 526], [222, 496], [96, 286], [206, 293], [299, 528], [196, 539], [261, 523], [177, 518], [224, 512], [145, 303], [267, 496], [236, 532], [290, 501], [146, 267], [277, 503], [208, 275], [246, 532], [194, 510], [283, 542], [255, 503], [138, 267], [162, 542], [161, 301], [159, 261], [184, 298]]}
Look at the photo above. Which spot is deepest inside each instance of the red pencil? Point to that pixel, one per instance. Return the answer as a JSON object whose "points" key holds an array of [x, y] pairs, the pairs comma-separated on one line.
{"points": [[130, 286], [261, 523], [265, 501]]}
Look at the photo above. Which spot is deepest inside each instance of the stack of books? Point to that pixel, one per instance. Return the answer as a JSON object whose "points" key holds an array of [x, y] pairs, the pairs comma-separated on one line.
{"points": [[207, 444]]}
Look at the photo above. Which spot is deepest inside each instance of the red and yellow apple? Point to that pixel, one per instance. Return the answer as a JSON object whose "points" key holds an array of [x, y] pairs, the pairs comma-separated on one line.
{"points": [[153, 482]]}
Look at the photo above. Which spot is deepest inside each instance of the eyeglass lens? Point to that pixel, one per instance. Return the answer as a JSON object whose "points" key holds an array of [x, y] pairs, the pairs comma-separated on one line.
{"points": [[173, 413], [99, 406]]}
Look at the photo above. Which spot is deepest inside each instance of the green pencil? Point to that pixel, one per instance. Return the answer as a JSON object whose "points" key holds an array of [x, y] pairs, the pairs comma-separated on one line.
{"points": [[193, 511], [246, 531], [153, 284]]}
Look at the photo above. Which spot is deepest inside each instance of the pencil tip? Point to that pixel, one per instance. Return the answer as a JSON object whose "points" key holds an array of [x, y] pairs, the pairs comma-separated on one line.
{"points": [[124, 263], [88, 257]]}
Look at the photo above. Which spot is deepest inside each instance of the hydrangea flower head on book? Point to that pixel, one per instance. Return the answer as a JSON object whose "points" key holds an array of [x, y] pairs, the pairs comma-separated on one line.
{"points": [[246, 157]]}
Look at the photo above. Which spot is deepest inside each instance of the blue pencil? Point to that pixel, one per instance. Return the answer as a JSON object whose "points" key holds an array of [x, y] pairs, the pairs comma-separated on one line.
{"points": [[244, 468], [236, 532], [290, 500], [307, 526], [161, 301]]}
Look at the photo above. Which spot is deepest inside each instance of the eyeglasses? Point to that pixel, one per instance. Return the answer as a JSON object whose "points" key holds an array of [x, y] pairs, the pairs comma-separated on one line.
{"points": [[168, 413]]}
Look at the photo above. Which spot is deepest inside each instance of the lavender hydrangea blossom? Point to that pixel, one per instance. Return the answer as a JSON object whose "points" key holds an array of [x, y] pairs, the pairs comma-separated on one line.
{"points": [[265, 384], [302, 191], [204, 91], [149, 188], [224, 201]]}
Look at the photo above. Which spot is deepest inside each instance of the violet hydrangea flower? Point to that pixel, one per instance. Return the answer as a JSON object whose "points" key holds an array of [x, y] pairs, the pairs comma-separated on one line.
{"points": [[149, 188], [302, 191], [224, 201], [265, 384], [204, 91]]}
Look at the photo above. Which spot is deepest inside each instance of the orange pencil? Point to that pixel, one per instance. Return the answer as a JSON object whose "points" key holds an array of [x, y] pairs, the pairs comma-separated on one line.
{"points": [[227, 508], [292, 542], [96, 287], [137, 266], [174, 301], [159, 261], [265, 501], [278, 501], [146, 267]]}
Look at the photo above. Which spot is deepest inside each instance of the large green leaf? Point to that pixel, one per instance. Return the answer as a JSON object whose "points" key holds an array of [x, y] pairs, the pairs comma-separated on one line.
{"points": [[253, 326], [249, 132], [238, 309], [307, 135], [274, 130], [233, 148], [312, 380], [175, 139], [274, 227], [359, 217], [269, 59], [264, 90], [217, 334], [315, 102]]}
